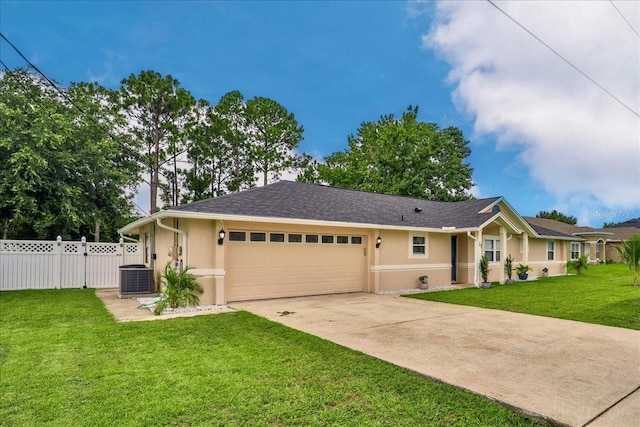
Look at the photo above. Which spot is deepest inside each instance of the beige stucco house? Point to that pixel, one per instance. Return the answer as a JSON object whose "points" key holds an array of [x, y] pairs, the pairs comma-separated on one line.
{"points": [[292, 239]]}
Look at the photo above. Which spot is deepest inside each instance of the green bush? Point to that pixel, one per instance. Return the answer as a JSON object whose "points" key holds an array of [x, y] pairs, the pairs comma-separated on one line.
{"points": [[179, 289]]}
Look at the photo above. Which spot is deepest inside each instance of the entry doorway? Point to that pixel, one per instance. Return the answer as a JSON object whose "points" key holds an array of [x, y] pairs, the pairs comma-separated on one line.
{"points": [[454, 259]]}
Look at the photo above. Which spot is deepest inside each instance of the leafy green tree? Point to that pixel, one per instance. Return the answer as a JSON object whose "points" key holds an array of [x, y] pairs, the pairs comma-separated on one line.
{"points": [[62, 173], [558, 216], [276, 135], [402, 156], [630, 253], [156, 110]]}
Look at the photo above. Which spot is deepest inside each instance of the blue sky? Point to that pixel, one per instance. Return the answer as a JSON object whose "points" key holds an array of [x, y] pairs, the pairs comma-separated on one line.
{"points": [[541, 134]]}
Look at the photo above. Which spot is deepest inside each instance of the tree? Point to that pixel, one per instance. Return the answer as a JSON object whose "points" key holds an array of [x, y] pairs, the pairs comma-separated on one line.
{"points": [[276, 135], [157, 110], [401, 156], [62, 173], [630, 254], [557, 216]]}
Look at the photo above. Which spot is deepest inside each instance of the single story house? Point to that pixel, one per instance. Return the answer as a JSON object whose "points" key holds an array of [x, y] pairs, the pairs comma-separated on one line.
{"points": [[293, 239]]}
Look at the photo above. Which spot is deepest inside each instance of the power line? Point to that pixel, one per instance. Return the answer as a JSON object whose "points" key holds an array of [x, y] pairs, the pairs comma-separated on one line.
{"points": [[563, 58], [625, 19]]}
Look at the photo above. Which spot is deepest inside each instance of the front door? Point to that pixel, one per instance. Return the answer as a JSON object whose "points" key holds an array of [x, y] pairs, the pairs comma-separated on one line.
{"points": [[454, 258]]}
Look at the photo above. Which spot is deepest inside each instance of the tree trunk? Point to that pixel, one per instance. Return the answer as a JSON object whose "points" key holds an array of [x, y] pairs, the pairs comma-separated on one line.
{"points": [[96, 234]]}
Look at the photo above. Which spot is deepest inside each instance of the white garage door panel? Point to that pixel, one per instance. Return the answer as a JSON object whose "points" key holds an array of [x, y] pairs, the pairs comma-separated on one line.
{"points": [[273, 270]]}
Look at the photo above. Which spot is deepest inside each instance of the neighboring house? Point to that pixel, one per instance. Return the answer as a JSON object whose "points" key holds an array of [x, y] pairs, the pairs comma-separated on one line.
{"points": [[291, 239], [617, 234], [598, 244]]}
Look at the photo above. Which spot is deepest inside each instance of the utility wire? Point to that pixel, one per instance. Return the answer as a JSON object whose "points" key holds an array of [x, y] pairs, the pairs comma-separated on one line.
{"points": [[563, 58], [625, 19]]}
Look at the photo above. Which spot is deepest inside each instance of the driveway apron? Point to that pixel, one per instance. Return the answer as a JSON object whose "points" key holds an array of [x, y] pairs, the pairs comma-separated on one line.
{"points": [[569, 372]]}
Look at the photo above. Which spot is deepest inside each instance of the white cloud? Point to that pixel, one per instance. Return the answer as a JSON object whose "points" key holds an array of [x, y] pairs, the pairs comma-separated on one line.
{"points": [[577, 142]]}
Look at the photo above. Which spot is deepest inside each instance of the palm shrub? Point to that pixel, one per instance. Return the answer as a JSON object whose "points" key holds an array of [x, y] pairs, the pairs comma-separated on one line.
{"points": [[578, 264], [179, 289], [484, 268], [508, 266], [630, 254]]}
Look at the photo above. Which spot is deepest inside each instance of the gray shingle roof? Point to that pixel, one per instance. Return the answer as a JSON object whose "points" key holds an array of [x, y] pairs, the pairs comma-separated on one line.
{"points": [[288, 199]]}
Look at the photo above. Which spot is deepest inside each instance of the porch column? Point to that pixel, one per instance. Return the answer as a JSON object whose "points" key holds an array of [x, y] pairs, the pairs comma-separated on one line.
{"points": [[525, 248], [503, 252]]}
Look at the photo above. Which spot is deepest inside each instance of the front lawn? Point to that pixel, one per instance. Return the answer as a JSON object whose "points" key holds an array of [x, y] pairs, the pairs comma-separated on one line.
{"points": [[602, 294], [64, 361]]}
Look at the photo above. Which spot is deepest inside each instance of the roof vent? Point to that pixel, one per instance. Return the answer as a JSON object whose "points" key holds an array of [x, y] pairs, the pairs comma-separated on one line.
{"points": [[495, 209], [418, 210]]}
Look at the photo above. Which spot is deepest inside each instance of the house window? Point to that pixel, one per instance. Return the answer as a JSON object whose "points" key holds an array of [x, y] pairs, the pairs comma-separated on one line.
{"points": [[598, 250], [258, 237], [311, 238], [342, 240], [418, 247], [276, 237], [575, 250], [550, 250], [492, 249], [356, 240], [295, 238], [237, 236], [327, 238]]}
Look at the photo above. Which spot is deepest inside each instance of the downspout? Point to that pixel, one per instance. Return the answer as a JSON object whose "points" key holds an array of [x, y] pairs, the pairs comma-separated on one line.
{"points": [[475, 258], [130, 239], [184, 239]]}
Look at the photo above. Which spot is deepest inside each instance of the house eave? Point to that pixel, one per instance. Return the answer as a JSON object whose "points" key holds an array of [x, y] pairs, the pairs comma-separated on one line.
{"points": [[134, 226]]}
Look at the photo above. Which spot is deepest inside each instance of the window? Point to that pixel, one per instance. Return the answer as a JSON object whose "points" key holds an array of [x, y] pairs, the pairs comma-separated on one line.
{"points": [[237, 236], [575, 250], [258, 237], [295, 238], [311, 238], [550, 250], [327, 239], [492, 249], [342, 240], [276, 237], [600, 242], [356, 240], [418, 246]]}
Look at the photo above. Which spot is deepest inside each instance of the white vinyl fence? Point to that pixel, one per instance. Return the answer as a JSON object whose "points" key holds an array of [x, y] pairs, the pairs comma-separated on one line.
{"points": [[40, 264]]}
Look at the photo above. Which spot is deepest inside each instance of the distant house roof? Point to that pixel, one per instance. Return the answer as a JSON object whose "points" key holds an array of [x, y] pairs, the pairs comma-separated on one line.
{"points": [[631, 223], [289, 199], [620, 233], [552, 228]]}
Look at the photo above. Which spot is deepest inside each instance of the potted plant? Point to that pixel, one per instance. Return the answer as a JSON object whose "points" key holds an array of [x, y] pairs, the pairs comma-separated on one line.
{"points": [[523, 271], [484, 271], [424, 282], [545, 272], [508, 269]]}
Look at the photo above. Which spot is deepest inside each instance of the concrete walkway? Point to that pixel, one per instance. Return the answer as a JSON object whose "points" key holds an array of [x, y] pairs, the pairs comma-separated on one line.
{"points": [[568, 372]]}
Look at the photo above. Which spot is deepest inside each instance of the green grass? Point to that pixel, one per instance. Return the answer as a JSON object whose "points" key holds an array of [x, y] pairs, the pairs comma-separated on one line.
{"points": [[64, 361], [602, 294]]}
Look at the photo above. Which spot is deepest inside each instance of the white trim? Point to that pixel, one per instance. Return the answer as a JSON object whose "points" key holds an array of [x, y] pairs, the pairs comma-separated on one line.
{"points": [[409, 267], [466, 265], [544, 263], [130, 228], [204, 272]]}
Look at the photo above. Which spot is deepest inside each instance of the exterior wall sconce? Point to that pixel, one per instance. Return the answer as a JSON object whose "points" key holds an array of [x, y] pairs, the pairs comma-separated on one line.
{"points": [[221, 235], [378, 241]]}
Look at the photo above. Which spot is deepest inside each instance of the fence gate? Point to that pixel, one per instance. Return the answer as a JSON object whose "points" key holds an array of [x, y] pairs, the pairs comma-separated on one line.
{"points": [[40, 264]]}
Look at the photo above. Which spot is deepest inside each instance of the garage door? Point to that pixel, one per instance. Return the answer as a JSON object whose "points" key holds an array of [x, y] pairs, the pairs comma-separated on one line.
{"points": [[264, 265]]}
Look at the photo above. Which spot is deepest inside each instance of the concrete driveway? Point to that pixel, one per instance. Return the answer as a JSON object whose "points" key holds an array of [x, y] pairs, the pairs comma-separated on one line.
{"points": [[569, 372]]}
